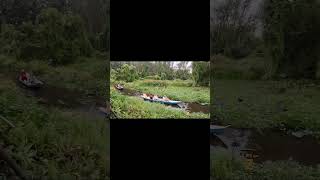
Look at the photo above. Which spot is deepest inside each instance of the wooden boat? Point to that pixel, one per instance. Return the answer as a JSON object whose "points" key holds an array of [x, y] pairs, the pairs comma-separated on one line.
{"points": [[33, 83], [119, 87], [215, 129], [159, 100]]}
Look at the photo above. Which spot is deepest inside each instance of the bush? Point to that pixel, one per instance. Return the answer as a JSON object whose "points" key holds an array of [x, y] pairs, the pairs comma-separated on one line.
{"points": [[201, 73], [126, 73], [291, 38], [54, 37]]}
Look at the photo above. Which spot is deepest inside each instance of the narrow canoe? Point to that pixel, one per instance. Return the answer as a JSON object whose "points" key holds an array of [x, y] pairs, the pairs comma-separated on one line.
{"points": [[162, 101], [34, 84], [215, 129], [119, 87]]}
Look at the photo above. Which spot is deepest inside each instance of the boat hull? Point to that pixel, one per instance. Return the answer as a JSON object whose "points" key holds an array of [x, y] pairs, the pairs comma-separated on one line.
{"points": [[36, 84], [217, 130], [163, 102]]}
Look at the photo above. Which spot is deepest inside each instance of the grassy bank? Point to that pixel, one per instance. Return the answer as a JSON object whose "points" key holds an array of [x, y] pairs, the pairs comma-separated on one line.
{"points": [[134, 107], [50, 142], [224, 167], [266, 104], [176, 89]]}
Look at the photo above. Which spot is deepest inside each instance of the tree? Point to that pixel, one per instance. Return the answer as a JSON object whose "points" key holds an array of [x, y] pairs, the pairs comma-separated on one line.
{"points": [[127, 73], [232, 27], [201, 73], [291, 36], [182, 74]]}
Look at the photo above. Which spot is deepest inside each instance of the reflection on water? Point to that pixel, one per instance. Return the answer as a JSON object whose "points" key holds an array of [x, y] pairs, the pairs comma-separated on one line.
{"points": [[269, 145]]}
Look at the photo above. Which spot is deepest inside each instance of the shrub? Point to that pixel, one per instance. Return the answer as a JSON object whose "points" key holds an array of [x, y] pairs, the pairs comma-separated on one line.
{"points": [[201, 73], [127, 73], [53, 37]]}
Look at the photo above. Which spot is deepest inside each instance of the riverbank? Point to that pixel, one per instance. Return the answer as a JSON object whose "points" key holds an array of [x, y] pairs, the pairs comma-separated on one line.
{"points": [[271, 119], [287, 104], [58, 131]]}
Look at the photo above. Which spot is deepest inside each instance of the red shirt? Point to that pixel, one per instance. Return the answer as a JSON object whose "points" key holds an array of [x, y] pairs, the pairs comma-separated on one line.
{"points": [[23, 76]]}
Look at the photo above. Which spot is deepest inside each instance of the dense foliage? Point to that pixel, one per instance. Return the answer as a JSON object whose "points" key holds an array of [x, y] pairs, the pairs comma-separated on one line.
{"points": [[291, 29], [51, 143], [232, 28], [126, 73], [54, 37], [52, 30], [201, 73], [161, 70], [283, 32], [225, 167]]}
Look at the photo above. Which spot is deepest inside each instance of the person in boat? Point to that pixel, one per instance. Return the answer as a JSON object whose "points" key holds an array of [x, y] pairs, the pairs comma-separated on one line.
{"points": [[24, 76], [155, 97], [148, 96], [165, 98], [151, 96], [118, 86]]}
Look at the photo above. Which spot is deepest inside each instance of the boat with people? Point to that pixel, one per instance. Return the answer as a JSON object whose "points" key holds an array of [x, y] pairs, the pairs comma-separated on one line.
{"points": [[119, 87], [159, 99], [29, 80]]}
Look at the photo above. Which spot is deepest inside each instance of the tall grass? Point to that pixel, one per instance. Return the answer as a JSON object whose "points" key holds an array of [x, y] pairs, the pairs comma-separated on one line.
{"points": [[223, 167]]}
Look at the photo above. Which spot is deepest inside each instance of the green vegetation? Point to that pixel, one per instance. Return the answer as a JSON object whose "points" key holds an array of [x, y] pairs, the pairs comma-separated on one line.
{"points": [[129, 71], [201, 73], [268, 104], [291, 38], [54, 37], [159, 78], [134, 107], [265, 60], [224, 167], [51, 142], [87, 75], [64, 44]]}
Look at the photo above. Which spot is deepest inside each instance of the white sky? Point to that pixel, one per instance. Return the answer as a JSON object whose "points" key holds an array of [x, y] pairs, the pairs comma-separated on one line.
{"points": [[175, 65]]}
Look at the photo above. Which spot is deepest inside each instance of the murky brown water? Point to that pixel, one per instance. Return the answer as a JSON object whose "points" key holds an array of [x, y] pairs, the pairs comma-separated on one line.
{"points": [[65, 98], [271, 145], [190, 107]]}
